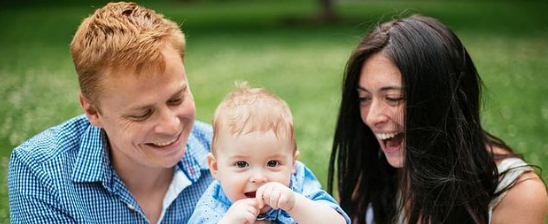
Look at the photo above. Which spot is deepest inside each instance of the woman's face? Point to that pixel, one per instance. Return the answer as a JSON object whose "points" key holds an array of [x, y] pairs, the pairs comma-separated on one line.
{"points": [[382, 104]]}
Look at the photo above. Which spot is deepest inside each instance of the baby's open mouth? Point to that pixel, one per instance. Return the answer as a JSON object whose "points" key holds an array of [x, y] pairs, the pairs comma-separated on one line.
{"points": [[250, 194]]}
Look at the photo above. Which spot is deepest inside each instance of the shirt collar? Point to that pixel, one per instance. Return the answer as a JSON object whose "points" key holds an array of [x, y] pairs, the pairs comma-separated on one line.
{"points": [[276, 216], [194, 160], [92, 158]]}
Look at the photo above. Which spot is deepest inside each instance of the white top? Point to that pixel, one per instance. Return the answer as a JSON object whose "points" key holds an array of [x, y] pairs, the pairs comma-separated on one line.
{"points": [[514, 167]]}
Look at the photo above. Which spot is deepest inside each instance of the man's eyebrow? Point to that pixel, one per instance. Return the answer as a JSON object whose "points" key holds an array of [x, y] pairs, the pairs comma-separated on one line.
{"points": [[148, 106], [142, 107], [180, 92]]}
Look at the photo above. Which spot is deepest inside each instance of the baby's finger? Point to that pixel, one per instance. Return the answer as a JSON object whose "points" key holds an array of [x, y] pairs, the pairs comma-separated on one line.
{"points": [[259, 197], [282, 202], [250, 218], [274, 199], [267, 191], [251, 204], [255, 209]]}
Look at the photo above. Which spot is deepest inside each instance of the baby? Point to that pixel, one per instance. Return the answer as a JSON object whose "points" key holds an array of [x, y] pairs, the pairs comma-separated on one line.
{"points": [[254, 161]]}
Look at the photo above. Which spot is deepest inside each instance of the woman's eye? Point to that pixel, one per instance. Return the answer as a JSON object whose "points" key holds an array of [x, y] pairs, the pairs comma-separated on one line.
{"points": [[394, 100], [273, 163], [241, 164], [364, 100]]}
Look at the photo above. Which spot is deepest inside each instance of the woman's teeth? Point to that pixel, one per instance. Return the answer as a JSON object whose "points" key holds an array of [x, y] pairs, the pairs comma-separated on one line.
{"points": [[385, 136]]}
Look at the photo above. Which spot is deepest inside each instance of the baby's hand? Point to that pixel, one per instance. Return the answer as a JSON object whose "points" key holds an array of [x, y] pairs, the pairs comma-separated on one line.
{"points": [[242, 211], [276, 195]]}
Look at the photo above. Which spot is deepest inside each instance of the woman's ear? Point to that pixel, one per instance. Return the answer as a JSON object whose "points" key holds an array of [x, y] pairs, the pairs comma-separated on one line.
{"points": [[212, 164]]}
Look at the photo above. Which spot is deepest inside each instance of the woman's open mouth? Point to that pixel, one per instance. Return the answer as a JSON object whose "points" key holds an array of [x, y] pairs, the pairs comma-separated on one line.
{"points": [[391, 142]]}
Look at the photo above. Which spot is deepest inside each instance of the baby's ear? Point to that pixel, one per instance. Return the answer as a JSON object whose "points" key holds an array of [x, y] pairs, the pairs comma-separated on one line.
{"points": [[212, 164], [295, 157]]}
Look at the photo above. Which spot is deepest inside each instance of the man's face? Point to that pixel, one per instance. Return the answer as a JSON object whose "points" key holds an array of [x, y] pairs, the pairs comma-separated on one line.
{"points": [[147, 117]]}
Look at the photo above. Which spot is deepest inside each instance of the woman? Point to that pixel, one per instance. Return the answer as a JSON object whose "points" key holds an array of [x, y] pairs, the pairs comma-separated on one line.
{"points": [[409, 146]]}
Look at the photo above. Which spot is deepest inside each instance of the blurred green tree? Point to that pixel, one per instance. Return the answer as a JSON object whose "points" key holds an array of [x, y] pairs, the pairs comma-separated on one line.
{"points": [[327, 13]]}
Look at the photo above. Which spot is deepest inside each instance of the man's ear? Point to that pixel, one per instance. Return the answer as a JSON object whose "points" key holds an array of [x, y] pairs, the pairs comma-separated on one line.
{"points": [[295, 157], [91, 112], [212, 164]]}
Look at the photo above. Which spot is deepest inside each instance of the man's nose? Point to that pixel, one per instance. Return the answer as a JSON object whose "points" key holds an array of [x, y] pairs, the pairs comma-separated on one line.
{"points": [[168, 122]]}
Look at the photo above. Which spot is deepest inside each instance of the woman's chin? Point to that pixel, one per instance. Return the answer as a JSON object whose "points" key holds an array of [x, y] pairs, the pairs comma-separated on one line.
{"points": [[395, 158], [395, 162]]}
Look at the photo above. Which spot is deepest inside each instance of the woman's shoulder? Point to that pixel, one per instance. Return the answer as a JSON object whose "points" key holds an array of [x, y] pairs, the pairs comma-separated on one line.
{"points": [[525, 201]]}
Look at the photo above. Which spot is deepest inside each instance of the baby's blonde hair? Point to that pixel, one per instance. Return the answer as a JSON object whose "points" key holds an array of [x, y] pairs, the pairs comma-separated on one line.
{"points": [[249, 110], [121, 36]]}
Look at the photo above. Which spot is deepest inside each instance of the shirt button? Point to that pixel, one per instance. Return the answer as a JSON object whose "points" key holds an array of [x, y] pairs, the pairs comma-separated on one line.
{"points": [[130, 207]]}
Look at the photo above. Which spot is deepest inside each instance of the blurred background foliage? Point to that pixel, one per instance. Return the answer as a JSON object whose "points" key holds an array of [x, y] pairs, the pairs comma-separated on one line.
{"points": [[296, 49]]}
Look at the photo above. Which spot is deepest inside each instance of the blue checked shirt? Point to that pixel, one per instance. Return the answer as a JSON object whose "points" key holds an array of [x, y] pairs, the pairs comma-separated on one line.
{"points": [[64, 175], [214, 203]]}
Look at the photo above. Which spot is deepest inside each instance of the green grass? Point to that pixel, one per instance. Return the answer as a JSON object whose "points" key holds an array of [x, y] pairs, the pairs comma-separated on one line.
{"points": [[302, 63]]}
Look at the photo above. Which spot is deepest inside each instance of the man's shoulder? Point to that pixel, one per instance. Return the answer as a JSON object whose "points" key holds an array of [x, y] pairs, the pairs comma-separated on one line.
{"points": [[202, 134], [202, 130], [52, 142]]}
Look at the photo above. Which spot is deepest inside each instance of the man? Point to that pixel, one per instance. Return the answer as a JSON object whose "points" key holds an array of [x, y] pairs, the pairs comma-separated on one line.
{"points": [[137, 155]]}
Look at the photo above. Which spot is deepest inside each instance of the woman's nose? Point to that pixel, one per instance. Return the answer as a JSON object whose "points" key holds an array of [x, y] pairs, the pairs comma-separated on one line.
{"points": [[376, 114]]}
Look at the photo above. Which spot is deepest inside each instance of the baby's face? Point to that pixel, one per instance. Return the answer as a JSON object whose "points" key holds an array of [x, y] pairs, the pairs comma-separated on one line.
{"points": [[244, 163]]}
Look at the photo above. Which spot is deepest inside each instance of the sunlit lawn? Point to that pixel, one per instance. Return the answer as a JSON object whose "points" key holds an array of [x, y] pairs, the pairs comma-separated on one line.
{"points": [[302, 63]]}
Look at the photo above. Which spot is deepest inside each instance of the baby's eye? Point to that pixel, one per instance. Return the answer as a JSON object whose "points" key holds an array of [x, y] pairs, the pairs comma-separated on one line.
{"points": [[273, 163], [241, 164]]}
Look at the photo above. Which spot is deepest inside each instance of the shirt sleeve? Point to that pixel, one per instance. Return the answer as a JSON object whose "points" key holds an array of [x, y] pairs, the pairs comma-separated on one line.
{"points": [[311, 188], [204, 215], [210, 209], [30, 196]]}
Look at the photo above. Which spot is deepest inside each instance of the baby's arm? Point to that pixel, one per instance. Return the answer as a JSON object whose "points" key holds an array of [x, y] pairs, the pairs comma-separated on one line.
{"points": [[242, 211], [300, 208]]}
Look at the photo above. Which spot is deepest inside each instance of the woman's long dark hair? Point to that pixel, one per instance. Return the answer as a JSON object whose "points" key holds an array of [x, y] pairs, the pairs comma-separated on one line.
{"points": [[448, 175]]}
